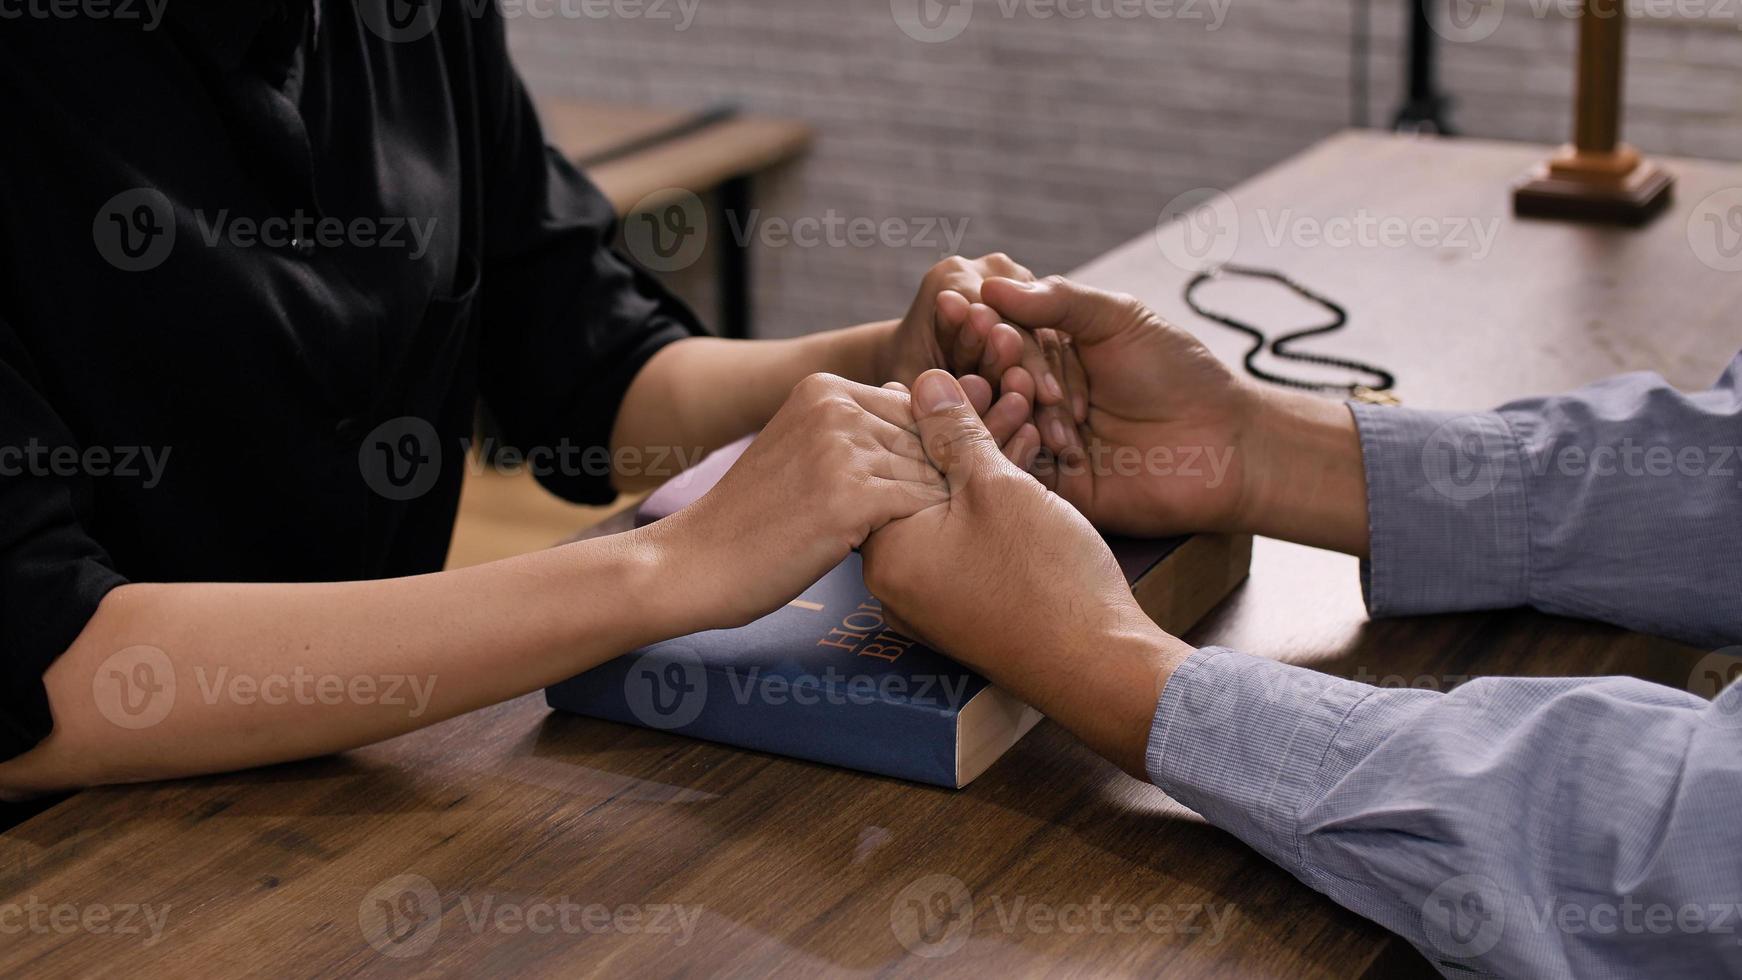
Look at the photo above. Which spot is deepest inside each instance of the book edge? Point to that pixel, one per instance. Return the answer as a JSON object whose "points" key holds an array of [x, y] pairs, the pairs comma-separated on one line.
{"points": [[989, 725]]}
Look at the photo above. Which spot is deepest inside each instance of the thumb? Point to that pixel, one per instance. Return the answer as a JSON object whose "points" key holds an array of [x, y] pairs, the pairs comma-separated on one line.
{"points": [[954, 437], [1088, 314]]}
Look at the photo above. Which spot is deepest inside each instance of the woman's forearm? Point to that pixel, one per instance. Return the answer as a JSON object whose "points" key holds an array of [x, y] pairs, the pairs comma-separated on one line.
{"points": [[177, 680], [699, 394]]}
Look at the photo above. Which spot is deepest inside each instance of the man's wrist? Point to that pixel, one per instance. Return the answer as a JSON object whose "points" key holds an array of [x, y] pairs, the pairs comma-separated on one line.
{"points": [[1115, 677], [1306, 480]]}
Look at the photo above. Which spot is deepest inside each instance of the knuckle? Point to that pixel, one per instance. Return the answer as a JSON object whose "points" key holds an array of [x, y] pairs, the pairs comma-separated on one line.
{"points": [[816, 387], [837, 409], [945, 270]]}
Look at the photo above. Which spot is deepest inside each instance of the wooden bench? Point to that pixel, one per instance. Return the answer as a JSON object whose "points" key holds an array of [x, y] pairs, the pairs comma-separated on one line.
{"points": [[636, 154]]}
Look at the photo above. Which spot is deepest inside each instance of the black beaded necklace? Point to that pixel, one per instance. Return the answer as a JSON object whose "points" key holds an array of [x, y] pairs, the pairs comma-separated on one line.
{"points": [[1378, 393]]}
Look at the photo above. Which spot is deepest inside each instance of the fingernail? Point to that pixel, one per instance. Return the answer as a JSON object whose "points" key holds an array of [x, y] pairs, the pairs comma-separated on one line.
{"points": [[1055, 430], [937, 392], [1080, 406], [1053, 391]]}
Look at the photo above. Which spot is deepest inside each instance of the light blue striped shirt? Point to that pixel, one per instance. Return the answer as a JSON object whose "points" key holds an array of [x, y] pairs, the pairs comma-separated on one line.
{"points": [[1579, 827]]}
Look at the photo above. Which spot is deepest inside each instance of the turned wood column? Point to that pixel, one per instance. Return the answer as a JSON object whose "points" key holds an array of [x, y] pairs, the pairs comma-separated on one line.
{"points": [[1596, 177]]}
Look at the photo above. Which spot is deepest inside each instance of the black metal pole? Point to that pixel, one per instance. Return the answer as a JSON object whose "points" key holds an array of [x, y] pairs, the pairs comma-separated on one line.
{"points": [[735, 311], [1360, 37], [1424, 108]]}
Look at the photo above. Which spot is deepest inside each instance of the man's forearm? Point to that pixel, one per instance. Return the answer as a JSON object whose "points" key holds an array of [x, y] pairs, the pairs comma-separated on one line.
{"points": [[176, 680], [1470, 821], [699, 394]]}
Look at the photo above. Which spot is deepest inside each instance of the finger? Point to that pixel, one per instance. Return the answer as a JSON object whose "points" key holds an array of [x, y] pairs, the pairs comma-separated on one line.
{"points": [[1072, 479], [1088, 314], [971, 341], [1076, 382], [1024, 446], [881, 435], [893, 451], [895, 386], [979, 392], [1008, 416], [1003, 351], [999, 264], [949, 313], [954, 437], [888, 499], [1052, 345], [886, 430], [1018, 380], [892, 406], [1048, 390], [900, 468], [962, 275]]}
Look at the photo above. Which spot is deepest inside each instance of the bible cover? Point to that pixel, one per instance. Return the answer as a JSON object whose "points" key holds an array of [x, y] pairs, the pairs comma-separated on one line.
{"points": [[825, 679]]}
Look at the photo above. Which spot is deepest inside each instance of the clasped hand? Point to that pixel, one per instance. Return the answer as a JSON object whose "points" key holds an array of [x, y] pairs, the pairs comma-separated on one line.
{"points": [[1039, 411]]}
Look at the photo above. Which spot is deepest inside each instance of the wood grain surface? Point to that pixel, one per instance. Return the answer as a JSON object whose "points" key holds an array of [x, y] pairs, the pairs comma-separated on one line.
{"points": [[456, 849]]}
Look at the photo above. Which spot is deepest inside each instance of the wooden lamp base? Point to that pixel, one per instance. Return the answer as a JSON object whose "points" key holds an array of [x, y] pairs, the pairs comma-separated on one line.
{"points": [[1619, 187]]}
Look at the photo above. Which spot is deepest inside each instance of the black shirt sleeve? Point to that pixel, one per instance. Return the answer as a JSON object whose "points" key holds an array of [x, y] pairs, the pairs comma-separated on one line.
{"points": [[52, 574], [566, 321]]}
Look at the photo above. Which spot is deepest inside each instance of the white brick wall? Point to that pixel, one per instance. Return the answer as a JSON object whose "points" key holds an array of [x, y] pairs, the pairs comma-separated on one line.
{"points": [[1057, 139]]}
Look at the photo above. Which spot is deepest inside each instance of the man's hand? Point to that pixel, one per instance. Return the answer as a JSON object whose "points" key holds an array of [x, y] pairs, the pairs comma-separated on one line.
{"points": [[1012, 581], [1160, 449], [1174, 441]]}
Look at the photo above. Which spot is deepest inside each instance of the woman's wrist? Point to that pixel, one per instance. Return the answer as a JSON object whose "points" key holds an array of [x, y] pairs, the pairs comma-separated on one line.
{"points": [[654, 593], [864, 353]]}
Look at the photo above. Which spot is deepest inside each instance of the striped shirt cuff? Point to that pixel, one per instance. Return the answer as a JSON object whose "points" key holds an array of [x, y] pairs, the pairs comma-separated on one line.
{"points": [[1242, 739], [1446, 511]]}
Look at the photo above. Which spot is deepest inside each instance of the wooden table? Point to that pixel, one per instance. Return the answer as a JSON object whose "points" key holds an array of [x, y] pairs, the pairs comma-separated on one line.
{"points": [[798, 869], [638, 155]]}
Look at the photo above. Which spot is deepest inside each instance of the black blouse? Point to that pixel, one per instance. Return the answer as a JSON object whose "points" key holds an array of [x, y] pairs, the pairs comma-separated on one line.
{"points": [[258, 264]]}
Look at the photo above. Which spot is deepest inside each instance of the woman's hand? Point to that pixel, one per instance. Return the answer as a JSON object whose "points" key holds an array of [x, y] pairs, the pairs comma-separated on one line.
{"points": [[837, 462], [949, 327], [943, 328]]}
